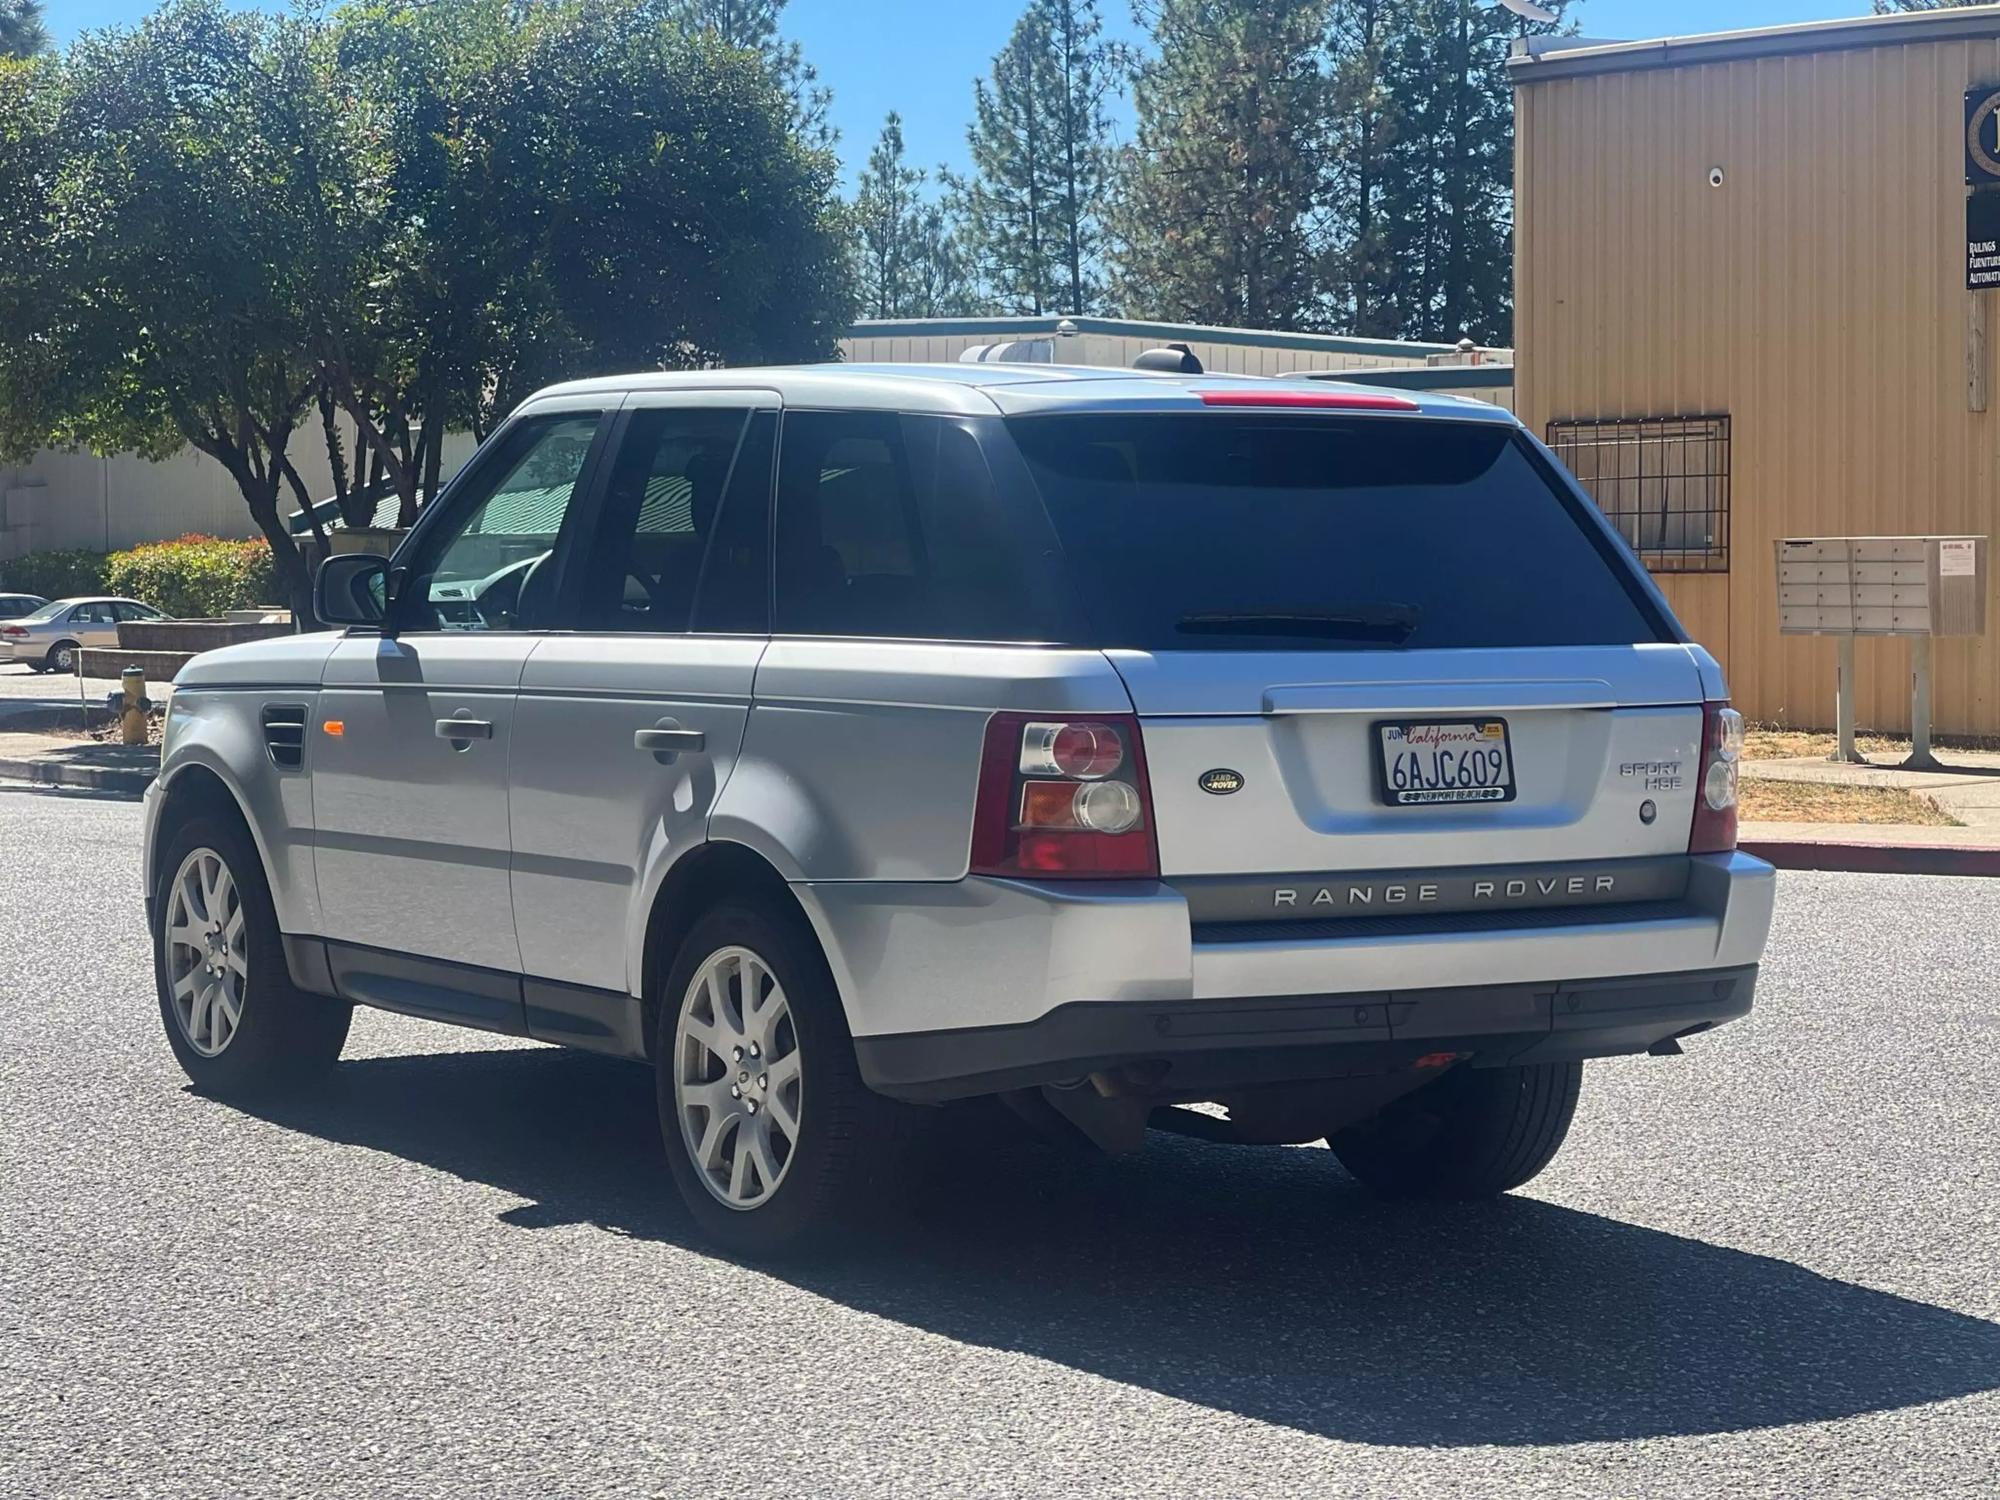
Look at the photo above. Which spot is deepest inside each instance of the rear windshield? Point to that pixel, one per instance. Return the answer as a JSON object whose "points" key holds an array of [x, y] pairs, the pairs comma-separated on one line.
{"points": [[1204, 531]]}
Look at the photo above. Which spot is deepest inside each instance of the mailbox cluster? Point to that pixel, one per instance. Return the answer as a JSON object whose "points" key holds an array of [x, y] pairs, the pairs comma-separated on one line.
{"points": [[1882, 585]]}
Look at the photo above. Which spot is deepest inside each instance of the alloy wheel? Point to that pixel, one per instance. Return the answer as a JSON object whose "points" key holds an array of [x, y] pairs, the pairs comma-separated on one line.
{"points": [[208, 959], [738, 1078]]}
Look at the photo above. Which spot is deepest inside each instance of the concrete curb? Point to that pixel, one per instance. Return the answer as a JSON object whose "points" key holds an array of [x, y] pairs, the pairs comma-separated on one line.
{"points": [[120, 779], [1877, 859]]}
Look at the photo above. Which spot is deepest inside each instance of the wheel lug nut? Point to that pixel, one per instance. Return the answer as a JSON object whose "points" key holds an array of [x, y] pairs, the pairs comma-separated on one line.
{"points": [[735, 1092], [763, 1080], [753, 1050], [753, 1106], [737, 1053]]}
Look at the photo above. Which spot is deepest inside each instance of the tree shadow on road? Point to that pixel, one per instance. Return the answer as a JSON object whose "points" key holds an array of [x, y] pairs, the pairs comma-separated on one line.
{"points": [[1257, 1281]]}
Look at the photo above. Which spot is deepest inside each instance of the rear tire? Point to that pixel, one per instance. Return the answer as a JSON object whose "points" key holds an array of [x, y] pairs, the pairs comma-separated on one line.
{"points": [[1475, 1133], [772, 1137], [234, 1019], [61, 657]]}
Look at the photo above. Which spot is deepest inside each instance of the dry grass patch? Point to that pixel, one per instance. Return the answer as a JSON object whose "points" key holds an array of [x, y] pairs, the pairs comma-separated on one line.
{"points": [[1771, 742], [1817, 802]]}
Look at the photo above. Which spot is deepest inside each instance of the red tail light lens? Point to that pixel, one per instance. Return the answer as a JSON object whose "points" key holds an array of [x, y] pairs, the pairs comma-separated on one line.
{"points": [[1064, 798], [1333, 400], [13, 630], [1714, 830]]}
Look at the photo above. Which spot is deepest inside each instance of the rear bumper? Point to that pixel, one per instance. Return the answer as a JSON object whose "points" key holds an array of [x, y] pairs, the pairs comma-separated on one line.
{"points": [[950, 985], [1199, 1045]]}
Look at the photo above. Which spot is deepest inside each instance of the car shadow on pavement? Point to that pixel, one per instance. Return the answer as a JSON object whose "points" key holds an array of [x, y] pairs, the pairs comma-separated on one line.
{"points": [[1257, 1281]]}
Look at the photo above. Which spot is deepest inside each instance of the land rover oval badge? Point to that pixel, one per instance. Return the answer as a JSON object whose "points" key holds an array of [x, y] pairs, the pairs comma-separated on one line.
{"points": [[1221, 781]]}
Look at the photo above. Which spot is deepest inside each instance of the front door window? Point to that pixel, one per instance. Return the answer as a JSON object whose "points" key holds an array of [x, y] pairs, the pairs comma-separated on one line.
{"points": [[491, 568]]}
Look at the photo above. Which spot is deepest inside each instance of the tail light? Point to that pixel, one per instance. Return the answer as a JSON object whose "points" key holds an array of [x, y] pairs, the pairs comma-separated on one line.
{"points": [[1065, 798], [13, 630], [1714, 830]]}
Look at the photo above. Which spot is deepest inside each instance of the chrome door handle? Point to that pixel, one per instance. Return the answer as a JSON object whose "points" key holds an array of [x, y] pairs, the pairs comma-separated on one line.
{"points": [[464, 729], [669, 741]]}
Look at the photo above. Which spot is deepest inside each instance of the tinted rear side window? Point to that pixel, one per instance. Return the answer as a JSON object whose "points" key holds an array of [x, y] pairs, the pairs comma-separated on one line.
{"points": [[892, 526], [1202, 531]]}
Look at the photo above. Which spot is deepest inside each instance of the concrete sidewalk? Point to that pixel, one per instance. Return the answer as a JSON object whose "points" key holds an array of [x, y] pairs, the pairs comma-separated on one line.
{"points": [[64, 760], [1967, 790]]}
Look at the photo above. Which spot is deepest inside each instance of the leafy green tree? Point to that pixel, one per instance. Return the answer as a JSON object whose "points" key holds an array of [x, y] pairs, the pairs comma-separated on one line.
{"points": [[1038, 144], [559, 191], [163, 308], [23, 32]]}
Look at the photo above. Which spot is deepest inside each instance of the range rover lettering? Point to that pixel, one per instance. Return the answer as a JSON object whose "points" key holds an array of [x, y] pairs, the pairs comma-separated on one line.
{"points": [[843, 742]]}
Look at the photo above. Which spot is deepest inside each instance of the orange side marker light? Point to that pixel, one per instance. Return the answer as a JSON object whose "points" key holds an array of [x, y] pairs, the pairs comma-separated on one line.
{"points": [[335, 727]]}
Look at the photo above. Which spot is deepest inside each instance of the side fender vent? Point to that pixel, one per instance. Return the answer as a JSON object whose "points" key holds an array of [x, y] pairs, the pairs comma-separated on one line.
{"points": [[285, 734]]}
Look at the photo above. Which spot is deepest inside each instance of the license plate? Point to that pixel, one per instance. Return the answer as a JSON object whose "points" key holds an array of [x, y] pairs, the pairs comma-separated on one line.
{"points": [[1423, 762]]}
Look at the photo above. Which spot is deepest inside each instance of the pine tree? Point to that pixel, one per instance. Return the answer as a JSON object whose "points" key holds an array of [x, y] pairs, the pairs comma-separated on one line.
{"points": [[1448, 185], [1358, 269], [1039, 161], [1217, 212], [753, 26], [23, 33], [912, 265]]}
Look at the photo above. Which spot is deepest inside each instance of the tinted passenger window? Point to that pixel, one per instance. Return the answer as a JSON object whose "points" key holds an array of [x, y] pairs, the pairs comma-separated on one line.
{"points": [[487, 569], [1214, 532], [890, 526], [660, 511]]}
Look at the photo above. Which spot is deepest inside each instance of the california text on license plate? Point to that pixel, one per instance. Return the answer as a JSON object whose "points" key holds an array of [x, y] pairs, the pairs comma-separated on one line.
{"points": [[1444, 760]]}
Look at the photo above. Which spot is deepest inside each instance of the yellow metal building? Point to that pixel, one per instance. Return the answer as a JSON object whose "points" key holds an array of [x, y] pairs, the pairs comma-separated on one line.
{"points": [[1742, 314]]}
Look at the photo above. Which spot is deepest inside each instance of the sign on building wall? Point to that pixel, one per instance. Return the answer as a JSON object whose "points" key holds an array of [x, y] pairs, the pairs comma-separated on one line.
{"points": [[1982, 135], [1982, 180], [1982, 239]]}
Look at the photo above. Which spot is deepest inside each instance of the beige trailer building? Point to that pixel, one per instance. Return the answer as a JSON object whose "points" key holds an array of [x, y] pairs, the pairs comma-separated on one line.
{"points": [[1742, 315]]}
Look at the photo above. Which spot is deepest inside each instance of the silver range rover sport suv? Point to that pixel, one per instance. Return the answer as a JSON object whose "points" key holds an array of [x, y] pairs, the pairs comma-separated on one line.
{"points": [[846, 741]]}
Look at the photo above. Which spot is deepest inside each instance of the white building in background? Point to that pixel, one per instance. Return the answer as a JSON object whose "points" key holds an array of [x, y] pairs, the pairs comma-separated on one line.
{"points": [[64, 500], [1456, 369]]}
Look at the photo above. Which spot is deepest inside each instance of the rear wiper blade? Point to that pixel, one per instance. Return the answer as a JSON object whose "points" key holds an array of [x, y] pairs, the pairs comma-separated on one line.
{"points": [[1342, 622]]}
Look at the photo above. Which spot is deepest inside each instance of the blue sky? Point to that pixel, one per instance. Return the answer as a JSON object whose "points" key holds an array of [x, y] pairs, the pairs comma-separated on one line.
{"points": [[920, 56]]}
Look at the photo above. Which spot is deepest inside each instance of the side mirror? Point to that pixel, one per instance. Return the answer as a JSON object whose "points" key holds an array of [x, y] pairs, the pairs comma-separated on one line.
{"points": [[352, 588]]}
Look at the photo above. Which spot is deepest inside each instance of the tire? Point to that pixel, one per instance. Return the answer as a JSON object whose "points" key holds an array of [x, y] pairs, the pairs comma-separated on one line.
{"points": [[845, 1142], [61, 657], [281, 1036], [1475, 1133]]}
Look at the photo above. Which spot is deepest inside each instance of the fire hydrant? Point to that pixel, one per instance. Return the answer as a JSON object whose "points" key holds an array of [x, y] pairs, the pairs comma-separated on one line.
{"points": [[131, 705]]}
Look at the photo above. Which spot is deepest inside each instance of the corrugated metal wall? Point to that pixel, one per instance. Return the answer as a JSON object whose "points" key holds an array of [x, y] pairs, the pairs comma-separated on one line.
{"points": [[1817, 297]]}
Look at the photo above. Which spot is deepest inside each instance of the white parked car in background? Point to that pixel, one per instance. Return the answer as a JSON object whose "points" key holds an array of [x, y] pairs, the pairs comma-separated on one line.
{"points": [[48, 639], [842, 741], [13, 606]]}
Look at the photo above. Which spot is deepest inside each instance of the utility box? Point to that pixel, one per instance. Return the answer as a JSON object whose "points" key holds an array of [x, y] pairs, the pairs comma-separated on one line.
{"points": [[1882, 585]]}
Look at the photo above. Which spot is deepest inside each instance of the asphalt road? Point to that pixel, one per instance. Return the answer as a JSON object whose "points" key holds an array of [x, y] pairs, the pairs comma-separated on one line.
{"points": [[1766, 1268]]}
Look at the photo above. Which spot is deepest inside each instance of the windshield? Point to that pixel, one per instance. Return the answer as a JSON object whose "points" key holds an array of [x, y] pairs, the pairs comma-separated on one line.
{"points": [[1208, 532]]}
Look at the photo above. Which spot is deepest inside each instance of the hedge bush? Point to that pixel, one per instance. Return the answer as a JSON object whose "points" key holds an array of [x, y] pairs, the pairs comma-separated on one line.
{"points": [[195, 577], [55, 575]]}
